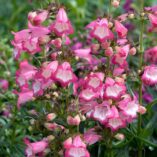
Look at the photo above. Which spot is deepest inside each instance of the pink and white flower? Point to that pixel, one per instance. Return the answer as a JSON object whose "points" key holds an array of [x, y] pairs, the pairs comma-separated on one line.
{"points": [[113, 89], [75, 147], [149, 76], [35, 148], [100, 30], [64, 74], [62, 25], [120, 29], [91, 137]]}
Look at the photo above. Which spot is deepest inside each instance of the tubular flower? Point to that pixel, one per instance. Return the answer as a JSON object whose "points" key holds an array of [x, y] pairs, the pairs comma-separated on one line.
{"points": [[75, 147], [62, 25], [35, 148]]}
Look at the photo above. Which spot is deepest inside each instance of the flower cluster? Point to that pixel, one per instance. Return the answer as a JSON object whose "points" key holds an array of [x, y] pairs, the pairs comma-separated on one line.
{"points": [[95, 70]]}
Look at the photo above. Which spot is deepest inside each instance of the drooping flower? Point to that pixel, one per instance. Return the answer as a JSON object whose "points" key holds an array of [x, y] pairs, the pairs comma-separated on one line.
{"points": [[25, 73], [91, 137], [120, 29], [37, 18], [35, 148]]}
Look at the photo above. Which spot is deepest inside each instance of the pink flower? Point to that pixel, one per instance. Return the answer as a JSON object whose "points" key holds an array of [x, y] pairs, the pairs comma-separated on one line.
{"points": [[49, 69], [151, 55], [120, 29], [115, 123], [129, 107], [94, 81], [37, 87], [37, 18], [118, 71], [53, 126], [100, 30], [28, 40], [149, 76], [91, 136], [4, 84], [102, 112], [75, 148], [142, 109], [35, 148], [88, 94], [153, 19], [113, 89], [84, 54], [121, 55], [25, 73], [88, 108], [50, 116], [57, 42], [62, 25], [64, 74], [24, 96], [109, 52], [73, 120]]}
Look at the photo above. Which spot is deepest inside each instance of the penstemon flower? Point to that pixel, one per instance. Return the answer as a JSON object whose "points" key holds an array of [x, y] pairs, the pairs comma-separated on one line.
{"points": [[82, 84]]}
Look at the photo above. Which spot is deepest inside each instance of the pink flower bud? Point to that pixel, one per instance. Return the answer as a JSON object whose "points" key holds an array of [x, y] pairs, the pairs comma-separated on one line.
{"points": [[119, 136], [67, 143], [142, 109], [31, 16], [115, 3], [51, 116], [132, 51], [95, 48], [44, 39], [57, 42], [109, 52], [105, 45], [4, 84], [73, 121]]}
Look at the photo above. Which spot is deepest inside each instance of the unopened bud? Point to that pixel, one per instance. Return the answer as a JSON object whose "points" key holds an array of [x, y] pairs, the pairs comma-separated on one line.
{"points": [[109, 52], [48, 96], [132, 51], [115, 3], [143, 14], [55, 94], [51, 116], [131, 16], [142, 109], [60, 152], [119, 136], [50, 138], [110, 24], [73, 120], [32, 121]]}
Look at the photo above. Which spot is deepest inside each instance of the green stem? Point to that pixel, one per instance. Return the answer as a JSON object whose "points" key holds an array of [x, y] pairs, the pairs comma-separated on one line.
{"points": [[109, 8], [140, 68]]}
